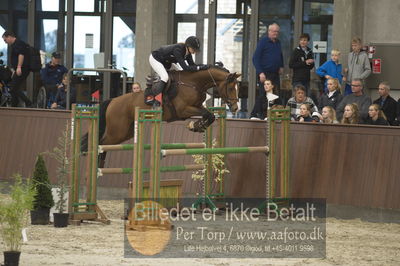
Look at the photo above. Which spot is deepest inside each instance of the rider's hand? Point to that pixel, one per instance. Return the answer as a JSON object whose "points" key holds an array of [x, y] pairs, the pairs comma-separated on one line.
{"points": [[18, 71], [203, 67]]}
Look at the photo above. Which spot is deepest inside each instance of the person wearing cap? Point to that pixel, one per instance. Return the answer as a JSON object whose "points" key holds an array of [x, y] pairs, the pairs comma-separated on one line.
{"points": [[177, 57], [52, 75], [19, 62]]}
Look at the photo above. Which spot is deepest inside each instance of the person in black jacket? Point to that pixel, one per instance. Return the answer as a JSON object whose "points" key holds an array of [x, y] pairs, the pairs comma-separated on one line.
{"points": [[332, 97], [162, 59], [20, 68], [376, 116], [387, 104], [302, 61]]}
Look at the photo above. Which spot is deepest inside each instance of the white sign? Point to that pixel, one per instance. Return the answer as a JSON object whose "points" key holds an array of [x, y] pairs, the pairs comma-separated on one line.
{"points": [[89, 40], [319, 47]]}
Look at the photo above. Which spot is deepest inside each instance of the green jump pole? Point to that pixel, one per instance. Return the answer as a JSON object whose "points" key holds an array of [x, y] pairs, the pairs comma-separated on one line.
{"points": [[176, 168], [166, 146], [215, 150]]}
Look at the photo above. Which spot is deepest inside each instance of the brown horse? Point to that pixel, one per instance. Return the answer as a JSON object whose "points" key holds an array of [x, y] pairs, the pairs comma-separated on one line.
{"points": [[192, 87]]}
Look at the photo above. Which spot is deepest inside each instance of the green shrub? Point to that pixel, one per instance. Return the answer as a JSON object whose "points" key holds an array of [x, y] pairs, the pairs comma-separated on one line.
{"points": [[14, 213], [43, 198]]}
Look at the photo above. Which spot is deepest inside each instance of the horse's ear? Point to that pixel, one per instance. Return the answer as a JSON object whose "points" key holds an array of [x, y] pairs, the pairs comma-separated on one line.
{"points": [[237, 75]]}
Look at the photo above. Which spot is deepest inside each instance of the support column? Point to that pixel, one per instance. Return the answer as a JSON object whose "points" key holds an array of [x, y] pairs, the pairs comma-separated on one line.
{"points": [[151, 32], [348, 22]]}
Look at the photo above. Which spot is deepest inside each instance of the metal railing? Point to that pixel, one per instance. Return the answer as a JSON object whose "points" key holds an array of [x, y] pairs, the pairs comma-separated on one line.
{"points": [[94, 70]]}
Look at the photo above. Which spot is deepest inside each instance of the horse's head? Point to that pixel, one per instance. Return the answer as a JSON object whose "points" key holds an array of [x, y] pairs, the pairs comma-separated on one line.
{"points": [[227, 89]]}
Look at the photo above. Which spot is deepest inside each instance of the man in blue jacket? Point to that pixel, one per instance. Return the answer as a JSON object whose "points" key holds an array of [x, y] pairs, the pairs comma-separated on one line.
{"points": [[268, 59], [52, 75]]}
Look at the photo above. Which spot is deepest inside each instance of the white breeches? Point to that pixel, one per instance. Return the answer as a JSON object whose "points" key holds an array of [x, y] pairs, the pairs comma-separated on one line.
{"points": [[160, 69]]}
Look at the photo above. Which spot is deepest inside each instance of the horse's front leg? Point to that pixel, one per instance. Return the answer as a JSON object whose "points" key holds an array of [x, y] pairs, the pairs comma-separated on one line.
{"points": [[201, 124]]}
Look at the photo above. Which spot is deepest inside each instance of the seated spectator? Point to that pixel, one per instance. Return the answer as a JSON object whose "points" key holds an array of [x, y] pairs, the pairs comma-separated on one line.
{"points": [[387, 104], [305, 114], [61, 96], [329, 115], [136, 87], [363, 101], [52, 75], [331, 69], [299, 98], [332, 97], [265, 102], [351, 114], [376, 116]]}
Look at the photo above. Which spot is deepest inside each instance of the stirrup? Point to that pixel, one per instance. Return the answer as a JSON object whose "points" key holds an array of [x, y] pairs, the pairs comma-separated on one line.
{"points": [[149, 100]]}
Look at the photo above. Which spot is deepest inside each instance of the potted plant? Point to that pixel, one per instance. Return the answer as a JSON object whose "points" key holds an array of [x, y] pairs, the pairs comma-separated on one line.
{"points": [[44, 198], [14, 213], [60, 154]]}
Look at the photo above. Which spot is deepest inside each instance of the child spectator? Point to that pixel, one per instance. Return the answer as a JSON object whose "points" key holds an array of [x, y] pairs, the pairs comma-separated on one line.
{"points": [[333, 96], [61, 97], [376, 116], [264, 103], [136, 87], [302, 61], [305, 114], [331, 69], [358, 64], [299, 98], [351, 114], [329, 115]]}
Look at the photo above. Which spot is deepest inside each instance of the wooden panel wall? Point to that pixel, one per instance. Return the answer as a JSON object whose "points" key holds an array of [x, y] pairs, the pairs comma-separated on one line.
{"points": [[348, 165]]}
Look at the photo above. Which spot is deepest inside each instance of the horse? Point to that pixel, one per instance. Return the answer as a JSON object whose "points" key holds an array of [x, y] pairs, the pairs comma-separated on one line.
{"points": [[117, 114]]}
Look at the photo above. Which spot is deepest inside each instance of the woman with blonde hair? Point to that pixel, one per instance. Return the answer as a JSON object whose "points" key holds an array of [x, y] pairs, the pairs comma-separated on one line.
{"points": [[376, 116], [329, 115], [333, 96], [351, 114]]}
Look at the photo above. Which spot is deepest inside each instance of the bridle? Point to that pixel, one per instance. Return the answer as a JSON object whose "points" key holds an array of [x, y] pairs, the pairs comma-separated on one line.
{"points": [[229, 101]]}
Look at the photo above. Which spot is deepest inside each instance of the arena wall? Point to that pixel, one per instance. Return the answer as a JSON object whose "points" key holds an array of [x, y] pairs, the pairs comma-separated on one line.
{"points": [[347, 165]]}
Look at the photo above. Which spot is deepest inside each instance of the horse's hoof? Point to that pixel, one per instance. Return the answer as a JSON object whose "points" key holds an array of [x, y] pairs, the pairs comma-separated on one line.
{"points": [[190, 126]]}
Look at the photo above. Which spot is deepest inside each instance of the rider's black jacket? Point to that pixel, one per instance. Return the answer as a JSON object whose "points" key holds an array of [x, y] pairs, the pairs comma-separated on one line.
{"points": [[175, 53]]}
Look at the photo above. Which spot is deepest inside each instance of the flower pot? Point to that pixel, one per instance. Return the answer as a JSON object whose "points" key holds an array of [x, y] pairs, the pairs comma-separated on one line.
{"points": [[40, 216], [11, 258], [61, 219]]}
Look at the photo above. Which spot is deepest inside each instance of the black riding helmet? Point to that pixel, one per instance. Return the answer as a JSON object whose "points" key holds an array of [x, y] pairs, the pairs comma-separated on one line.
{"points": [[193, 42]]}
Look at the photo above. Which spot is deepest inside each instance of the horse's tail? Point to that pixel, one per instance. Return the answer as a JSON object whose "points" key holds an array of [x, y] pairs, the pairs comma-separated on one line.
{"points": [[102, 125]]}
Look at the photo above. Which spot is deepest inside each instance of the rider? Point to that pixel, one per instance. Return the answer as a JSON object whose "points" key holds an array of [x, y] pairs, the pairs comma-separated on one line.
{"points": [[163, 59]]}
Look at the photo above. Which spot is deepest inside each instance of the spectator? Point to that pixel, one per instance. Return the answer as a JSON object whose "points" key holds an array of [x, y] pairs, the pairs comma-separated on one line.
{"points": [[299, 98], [358, 64], [376, 116], [302, 61], [329, 115], [268, 59], [387, 104], [333, 96], [351, 114], [19, 67], [61, 96], [331, 69], [305, 114], [136, 87], [52, 75], [363, 101], [264, 103]]}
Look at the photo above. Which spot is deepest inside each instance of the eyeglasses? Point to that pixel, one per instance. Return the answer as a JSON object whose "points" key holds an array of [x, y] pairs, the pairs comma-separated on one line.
{"points": [[355, 85]]}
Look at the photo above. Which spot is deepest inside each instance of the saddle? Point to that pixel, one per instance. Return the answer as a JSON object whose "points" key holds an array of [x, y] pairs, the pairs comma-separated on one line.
{"points": [[169, 92]]}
